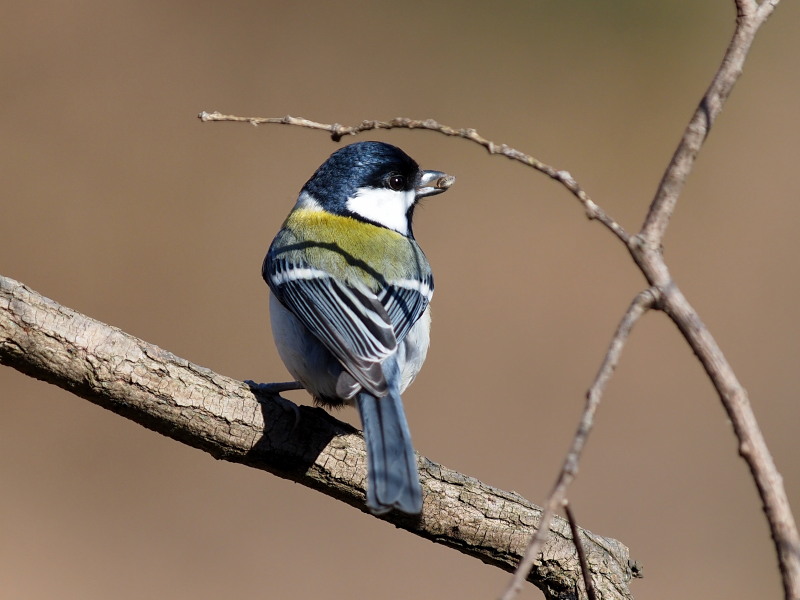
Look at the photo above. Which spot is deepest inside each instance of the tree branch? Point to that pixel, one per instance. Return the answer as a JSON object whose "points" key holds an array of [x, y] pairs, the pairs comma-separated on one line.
{"points": [[646, 250], [222, 416], [576, 536], [750, 16], [337, 131], [752, 445]]}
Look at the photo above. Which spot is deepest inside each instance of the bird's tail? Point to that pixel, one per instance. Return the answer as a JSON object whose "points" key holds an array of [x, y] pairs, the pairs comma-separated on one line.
{"points": [[392, 476]]}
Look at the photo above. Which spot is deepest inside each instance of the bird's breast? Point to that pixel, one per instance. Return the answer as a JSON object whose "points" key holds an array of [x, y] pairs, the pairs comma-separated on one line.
{"points": [[348, 248]]}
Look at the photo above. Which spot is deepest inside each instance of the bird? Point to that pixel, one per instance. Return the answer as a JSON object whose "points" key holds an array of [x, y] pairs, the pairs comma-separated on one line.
{"points": [[350, 291]]}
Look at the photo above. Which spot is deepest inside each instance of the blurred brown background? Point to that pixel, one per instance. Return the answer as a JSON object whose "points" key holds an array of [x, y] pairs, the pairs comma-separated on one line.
{"points": [[119, 203]]}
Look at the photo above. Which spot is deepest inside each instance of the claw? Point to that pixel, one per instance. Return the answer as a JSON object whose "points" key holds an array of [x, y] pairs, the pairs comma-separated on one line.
{"points": [[273, 390]]}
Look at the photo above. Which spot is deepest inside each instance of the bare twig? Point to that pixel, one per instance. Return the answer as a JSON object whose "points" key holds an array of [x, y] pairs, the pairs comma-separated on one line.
{"points": [[752, 446], [576, 537], [641, 304], [750, 16], [593, 211], [646, 251]]}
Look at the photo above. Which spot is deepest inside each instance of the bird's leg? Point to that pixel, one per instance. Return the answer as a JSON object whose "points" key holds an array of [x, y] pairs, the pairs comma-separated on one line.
{"points": [[273, 390]]}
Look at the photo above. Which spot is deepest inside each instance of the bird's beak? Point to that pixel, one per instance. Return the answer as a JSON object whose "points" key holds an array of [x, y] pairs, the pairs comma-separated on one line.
{"points": [[431, 183]]}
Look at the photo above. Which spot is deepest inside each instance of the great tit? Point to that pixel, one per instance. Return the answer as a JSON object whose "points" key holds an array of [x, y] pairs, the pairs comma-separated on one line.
{"points": [[349, 294]]}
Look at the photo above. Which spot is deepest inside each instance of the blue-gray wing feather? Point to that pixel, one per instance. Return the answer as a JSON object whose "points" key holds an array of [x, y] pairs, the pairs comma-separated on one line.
{"points": [[405, 305], [359, 327]]}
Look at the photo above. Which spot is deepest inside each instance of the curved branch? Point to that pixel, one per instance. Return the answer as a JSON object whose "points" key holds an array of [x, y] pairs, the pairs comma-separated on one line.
{"points": [[222, 416], [337, 131]]}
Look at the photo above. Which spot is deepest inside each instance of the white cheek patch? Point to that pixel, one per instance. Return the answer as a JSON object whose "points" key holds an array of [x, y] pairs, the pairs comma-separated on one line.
{"points": [[383, 206]]}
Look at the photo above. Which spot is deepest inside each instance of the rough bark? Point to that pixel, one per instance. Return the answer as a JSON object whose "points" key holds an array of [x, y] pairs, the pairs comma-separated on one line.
{"points": [[223, 417]]}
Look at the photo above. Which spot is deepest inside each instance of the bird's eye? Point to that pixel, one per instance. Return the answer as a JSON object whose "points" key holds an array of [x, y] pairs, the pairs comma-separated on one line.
{"points": [[396, 182]]}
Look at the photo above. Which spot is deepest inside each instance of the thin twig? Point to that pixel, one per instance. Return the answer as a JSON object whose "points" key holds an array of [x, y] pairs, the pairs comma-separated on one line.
{"points": [[750, 16], [640, 305], [645, 249], [576, 538], [752, 445], [337, 131]]}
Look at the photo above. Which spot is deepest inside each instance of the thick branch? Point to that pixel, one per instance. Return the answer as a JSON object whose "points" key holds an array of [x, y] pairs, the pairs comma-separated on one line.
{"points": [[222, 417]]}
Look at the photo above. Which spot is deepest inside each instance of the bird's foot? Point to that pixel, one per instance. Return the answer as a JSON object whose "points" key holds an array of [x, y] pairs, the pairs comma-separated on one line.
{"points": [[273, 390]]}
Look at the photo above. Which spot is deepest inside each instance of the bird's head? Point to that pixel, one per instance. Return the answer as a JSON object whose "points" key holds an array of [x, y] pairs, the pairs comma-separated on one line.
{"points": [[373, 182]]}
